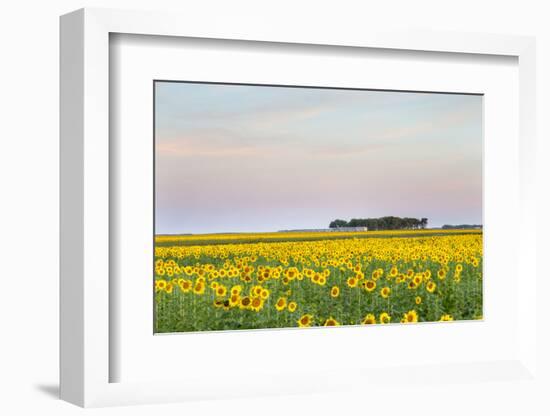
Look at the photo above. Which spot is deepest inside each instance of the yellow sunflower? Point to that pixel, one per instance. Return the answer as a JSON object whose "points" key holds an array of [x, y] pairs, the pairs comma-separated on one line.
{"points": [[331, 322], [352, 282], [221, 291], [370, 285], [305, 321], [412, 285], [410, 317], [281, 304], [185, 285], [256, 290], [160, 285], [234, 300], [256, 304], [245, 303], [385, 318], [199, 288], [369, 319]]}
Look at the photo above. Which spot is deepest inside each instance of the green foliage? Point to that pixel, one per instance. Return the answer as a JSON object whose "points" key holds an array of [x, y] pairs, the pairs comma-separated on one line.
{"points": [[383, 223]]}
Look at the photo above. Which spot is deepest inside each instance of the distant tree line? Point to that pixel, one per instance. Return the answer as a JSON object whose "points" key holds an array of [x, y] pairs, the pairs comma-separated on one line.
{"points": [[383, 223], [461, 226]]}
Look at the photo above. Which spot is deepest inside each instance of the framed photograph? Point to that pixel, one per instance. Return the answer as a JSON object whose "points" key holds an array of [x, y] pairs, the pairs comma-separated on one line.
{"points": [[252, 183], [299, 213]]}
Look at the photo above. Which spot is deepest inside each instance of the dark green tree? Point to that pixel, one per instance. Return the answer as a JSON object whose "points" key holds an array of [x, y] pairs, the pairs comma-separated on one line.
{"points": [[338, 224], [382, 223]]}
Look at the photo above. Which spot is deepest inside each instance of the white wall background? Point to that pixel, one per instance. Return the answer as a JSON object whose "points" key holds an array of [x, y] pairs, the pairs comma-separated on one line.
{"points": [[29, 177]]}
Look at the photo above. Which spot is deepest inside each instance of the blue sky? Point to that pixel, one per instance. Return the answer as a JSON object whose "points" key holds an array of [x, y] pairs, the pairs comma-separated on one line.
{"points": [[233, 158]]}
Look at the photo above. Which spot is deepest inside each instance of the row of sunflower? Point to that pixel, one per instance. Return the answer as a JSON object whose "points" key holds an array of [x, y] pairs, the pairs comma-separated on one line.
{"points": [[314, 283]]}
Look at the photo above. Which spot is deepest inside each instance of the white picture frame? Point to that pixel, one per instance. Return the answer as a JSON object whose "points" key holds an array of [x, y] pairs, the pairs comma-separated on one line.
{"points": [[85, 355]]}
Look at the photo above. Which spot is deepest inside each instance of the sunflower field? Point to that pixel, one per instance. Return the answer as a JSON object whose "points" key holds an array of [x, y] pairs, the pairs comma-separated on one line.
{"points": [[257, 281]]}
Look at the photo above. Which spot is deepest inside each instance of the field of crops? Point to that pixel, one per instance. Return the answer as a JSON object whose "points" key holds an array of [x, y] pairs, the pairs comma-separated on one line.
{"points": [[207, 239], [257, 281]]}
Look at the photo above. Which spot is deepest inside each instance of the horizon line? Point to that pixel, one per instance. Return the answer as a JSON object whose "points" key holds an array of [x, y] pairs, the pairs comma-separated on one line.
{"points": [[316, 229]]}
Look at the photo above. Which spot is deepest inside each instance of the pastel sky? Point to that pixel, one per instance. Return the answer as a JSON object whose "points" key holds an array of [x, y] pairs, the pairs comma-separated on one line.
{"points": [[237, 158]]}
